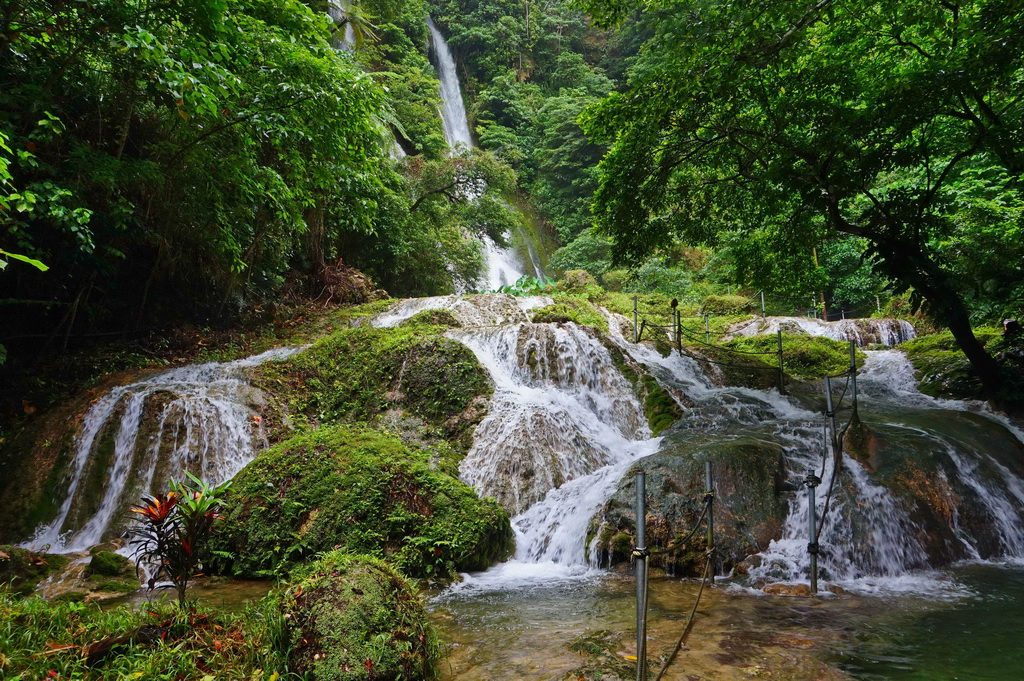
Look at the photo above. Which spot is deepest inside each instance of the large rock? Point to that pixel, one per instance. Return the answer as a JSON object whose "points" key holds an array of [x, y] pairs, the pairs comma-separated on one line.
{"points": [[748, 513], [351, 618], [361, 490]]}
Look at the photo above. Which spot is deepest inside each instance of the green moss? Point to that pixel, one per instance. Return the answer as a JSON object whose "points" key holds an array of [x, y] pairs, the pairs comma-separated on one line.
{"points": [[21, 569], [352, 618], [660, 408], [754, 361], [120, 586], [727, 305], [577, 281], [361, 490], [358, 374], [571, 309], [433, 318], [941, 367], [71, 597], [108, 564]]}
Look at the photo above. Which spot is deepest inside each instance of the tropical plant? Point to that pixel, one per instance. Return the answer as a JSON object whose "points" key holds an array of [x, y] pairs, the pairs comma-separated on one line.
{"points": [[173, 530]]}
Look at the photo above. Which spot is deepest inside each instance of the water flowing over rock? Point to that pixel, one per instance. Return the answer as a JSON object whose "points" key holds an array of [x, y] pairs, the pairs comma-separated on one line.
{"points": [[504, 265], [864, 332], [198, 418]]}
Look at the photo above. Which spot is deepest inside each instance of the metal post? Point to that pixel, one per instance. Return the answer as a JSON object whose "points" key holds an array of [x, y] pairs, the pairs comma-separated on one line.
{"points": [[814, 308], [843, 313], [636, 329], [707, 328], [830, 412], [853, 373], [762, 303], [878, 304], [782, 375], [679, 331], [709, 499], [640, 553], [812, 481]]}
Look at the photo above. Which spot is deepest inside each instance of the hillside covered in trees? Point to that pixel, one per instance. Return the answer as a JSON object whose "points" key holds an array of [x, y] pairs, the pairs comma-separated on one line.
{"points": [[194, 162]]}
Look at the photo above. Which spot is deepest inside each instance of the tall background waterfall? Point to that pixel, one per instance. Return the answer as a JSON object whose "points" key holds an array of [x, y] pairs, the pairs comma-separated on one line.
{"points": [[504, 265]]}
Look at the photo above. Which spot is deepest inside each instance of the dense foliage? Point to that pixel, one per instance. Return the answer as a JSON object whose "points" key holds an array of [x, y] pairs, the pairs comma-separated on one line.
{"points": [[773, 128]]}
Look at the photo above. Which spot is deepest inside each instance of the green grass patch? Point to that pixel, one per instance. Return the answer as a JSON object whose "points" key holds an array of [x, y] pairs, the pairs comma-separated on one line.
{"points": [[42, 639]]}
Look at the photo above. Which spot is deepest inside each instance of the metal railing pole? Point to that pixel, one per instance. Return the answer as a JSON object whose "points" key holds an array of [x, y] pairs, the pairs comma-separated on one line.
{"points": [[762, 304], [709, 498], [707, 328], [640, 552], [853, 374], [782, 375], [830, 412], [812, 481], [636, 329]]}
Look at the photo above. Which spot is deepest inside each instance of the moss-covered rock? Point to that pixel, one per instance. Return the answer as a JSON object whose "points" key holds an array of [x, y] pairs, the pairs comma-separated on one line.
{"points": [[570, 309], [748, 512], [361, 373], [660, 408], [577, 281], [941, 367], [21, 569], [727, 305], [351, 618], [108, 564], [366, 492]]}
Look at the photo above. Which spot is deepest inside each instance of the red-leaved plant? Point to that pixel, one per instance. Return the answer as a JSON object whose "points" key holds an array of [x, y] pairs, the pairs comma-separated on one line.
{"points": [[172, 529]]}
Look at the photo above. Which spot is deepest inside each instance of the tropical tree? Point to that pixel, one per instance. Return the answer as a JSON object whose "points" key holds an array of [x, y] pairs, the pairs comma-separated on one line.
{"points": [[790, 122]]}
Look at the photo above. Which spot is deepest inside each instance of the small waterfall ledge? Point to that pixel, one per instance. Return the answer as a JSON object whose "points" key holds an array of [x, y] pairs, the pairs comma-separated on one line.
{"points": [[134, 438], [864, 332]]}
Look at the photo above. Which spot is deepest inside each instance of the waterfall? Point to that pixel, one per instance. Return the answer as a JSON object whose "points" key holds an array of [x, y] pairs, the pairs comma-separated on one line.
{"points": [[136, 437], [864, 332], [503, 264]]}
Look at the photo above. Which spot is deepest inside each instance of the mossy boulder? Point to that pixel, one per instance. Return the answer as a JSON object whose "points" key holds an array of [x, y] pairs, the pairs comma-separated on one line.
{"points": [[361, 490], [569, 309], [754, 362], [941, 368], [748, 512], [577, 281], [351, 618], [660, 408], [106, 563], [726, 305], [21, 569], [362, 373]]}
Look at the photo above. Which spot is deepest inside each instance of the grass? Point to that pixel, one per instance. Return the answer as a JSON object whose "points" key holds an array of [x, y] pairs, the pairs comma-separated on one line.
{"points": [[49, 640]]}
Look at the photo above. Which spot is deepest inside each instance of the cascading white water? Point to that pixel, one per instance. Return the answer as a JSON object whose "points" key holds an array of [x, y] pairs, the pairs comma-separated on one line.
{"points": [[503, 265], [864, 332], [338, 11], [203, 424]]}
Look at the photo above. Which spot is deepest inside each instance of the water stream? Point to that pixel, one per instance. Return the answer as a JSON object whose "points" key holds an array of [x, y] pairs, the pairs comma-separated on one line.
{"points": [[565, 425], [135, 437], [504, 264]]}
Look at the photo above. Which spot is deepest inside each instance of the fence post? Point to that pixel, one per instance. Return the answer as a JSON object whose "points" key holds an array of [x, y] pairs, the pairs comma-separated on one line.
{"points": [[707, 328], [636, 329], [640, 553], [830, 412], [812, 481], [709, 499], [853, 374], [762, 304], [782, 375]]}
